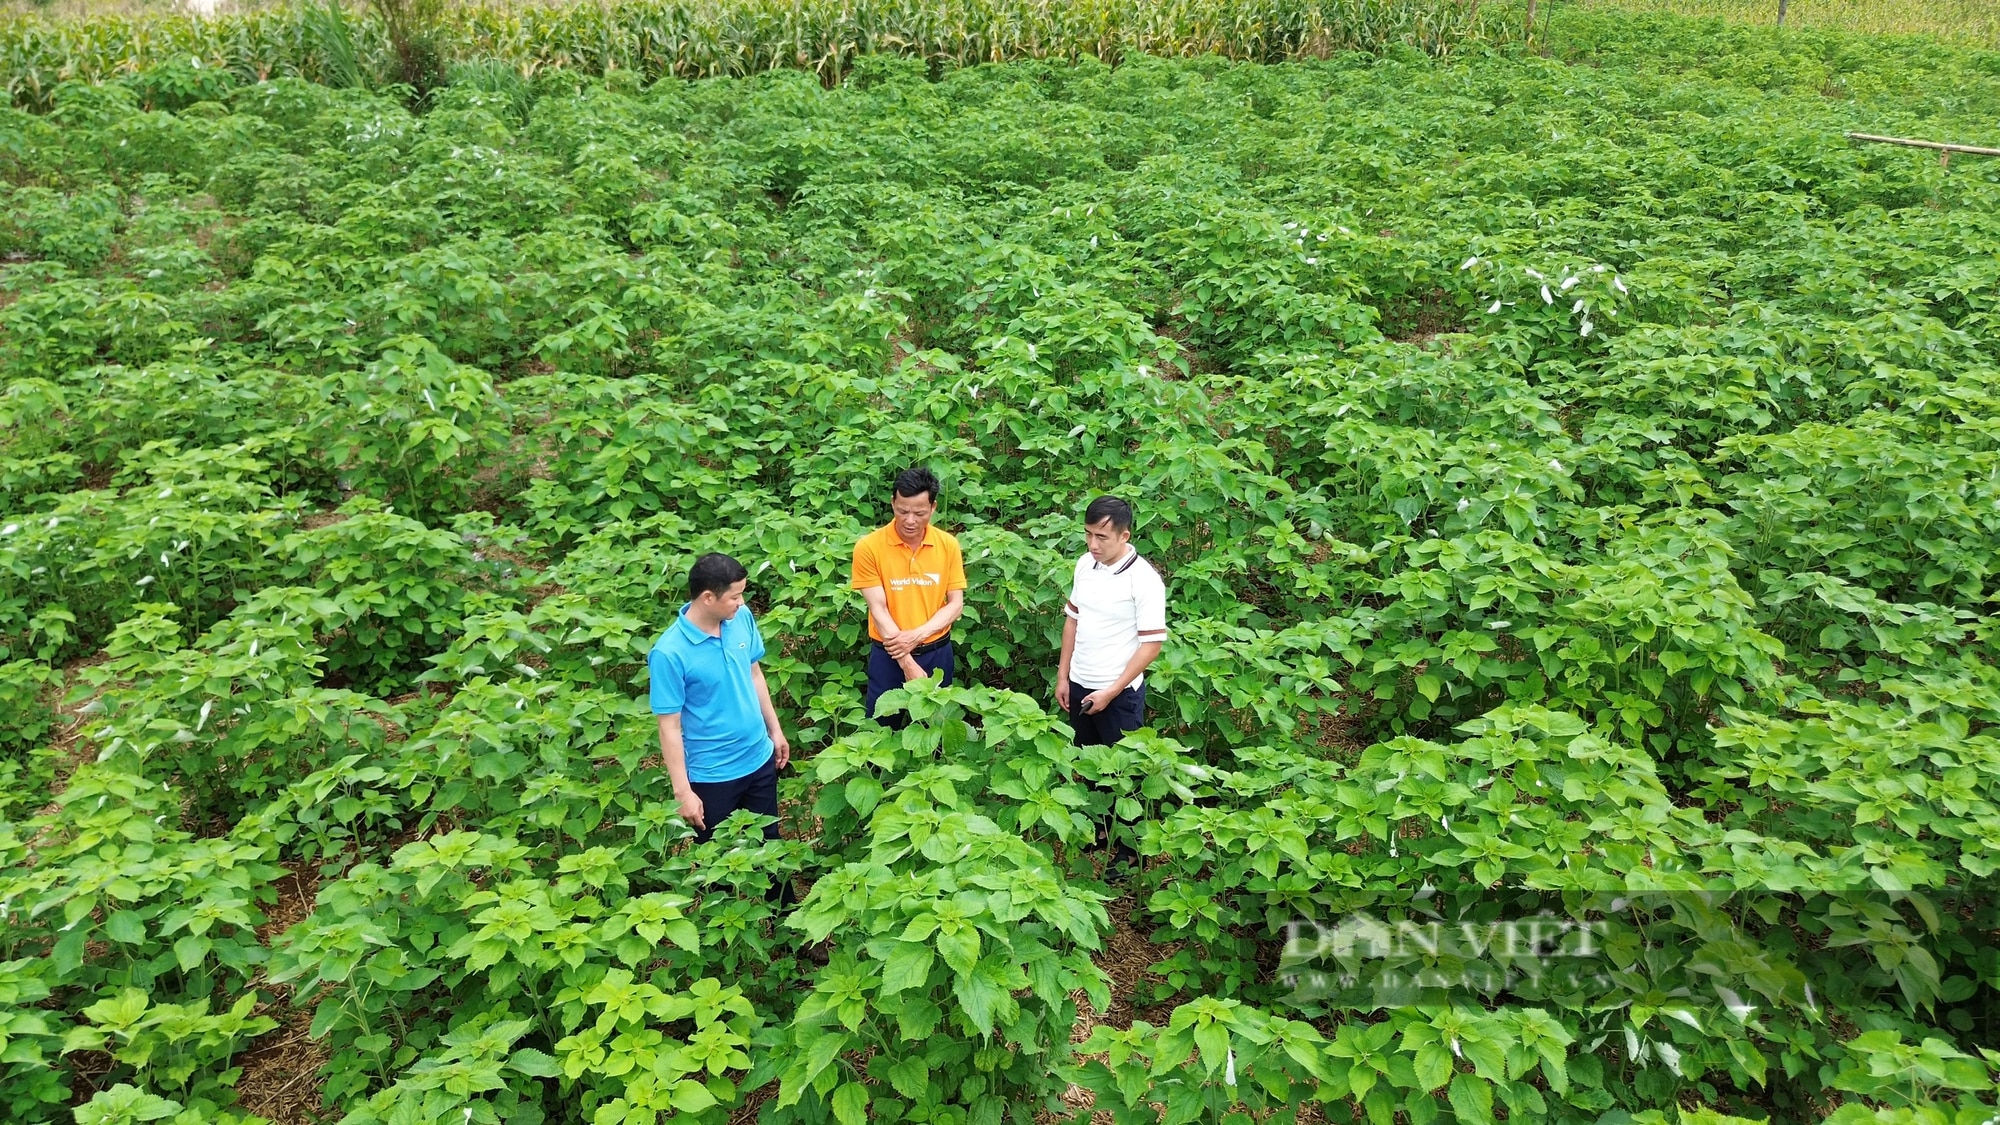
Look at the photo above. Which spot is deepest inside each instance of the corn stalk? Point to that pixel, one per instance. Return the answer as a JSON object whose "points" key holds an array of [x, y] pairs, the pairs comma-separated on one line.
{"points": [[414, 40]]}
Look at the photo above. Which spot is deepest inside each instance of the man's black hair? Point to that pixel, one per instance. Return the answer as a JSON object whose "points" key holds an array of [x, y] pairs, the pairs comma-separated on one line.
{"points": [[1109, 508], [916, 481], [714, 574]]}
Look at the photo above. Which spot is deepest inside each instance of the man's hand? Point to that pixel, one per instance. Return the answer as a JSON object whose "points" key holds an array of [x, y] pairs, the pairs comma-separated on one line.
{"points": [[1062, 690], [1098, 700], [901, 642], [911, 669], [781, 747], [691, 810]]}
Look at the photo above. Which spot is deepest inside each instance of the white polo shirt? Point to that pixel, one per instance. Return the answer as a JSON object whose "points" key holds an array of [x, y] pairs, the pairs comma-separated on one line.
{"points": [[1116, 608]]}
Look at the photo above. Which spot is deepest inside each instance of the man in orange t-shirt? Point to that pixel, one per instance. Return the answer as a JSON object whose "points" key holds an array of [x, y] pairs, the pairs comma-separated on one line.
{"points": [[913, 577]]}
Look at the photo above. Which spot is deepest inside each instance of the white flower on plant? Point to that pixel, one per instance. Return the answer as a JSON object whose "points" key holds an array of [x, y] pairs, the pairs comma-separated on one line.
{"points": [[1312, 261], [1569, 281], [146, 580], [1494, 307], [1587, 326], [1464, 504], [10, 529], [1079, 429], [1470, 262], [1618, 283], [1534, 273], [1548, 298], [1555, 464], [1578, 307]]}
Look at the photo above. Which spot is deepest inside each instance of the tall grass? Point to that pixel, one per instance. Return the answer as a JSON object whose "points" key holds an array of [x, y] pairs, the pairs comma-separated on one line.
{"points": [[327, 23], [704, 38], [1963, 21]]}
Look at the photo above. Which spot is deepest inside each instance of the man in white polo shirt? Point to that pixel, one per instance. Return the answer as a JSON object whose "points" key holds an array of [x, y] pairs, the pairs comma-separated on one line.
{"points": [[1117, 621]]}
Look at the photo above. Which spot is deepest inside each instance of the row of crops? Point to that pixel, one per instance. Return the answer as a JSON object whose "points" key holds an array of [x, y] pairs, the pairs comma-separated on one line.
{"points": [[416, 41], [1578, 488]]}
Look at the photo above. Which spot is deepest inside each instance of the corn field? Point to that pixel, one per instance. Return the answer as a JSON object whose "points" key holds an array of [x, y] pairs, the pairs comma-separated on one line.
{"points": [[711, 38]]}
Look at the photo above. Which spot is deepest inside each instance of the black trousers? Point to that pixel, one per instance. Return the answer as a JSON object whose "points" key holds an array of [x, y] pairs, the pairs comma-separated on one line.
{"points": [[755, 792], [1124, 714], [884, 676]]}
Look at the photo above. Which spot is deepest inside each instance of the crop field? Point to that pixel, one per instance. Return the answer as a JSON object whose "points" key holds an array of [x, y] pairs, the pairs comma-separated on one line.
{"points": [[1975, 22], [1576, 477], [324, 41]]}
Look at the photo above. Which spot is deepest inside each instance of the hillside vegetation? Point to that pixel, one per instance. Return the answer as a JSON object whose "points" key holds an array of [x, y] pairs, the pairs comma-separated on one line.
{"points": [[1577, 480]]}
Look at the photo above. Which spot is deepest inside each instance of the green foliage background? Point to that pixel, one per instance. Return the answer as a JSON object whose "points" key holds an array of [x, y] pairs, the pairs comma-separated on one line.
{"points": [[1575, 478]]}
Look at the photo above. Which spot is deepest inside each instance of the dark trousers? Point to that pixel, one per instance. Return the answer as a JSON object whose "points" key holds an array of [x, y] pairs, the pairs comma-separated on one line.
{"points": [[1124, 714], [755, 792], [884, 675]]}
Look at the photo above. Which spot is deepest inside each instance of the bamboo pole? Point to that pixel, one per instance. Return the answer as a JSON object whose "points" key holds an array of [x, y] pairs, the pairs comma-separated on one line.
{"points": [[1941, 146]]}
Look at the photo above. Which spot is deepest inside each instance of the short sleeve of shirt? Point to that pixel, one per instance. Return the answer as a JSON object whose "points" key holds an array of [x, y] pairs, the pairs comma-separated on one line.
{"points": [[1069, 607], [665, 684], [756, 639], [867, 571], [1151, 595], [956, 579]]}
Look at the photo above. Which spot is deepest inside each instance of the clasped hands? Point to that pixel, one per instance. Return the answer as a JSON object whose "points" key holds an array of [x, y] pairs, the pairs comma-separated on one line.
{"points": [[899, 645]]}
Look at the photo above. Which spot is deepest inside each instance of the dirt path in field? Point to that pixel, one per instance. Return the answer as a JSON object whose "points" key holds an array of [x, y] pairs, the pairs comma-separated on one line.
{"points": [[281, 1080], [66, 739]]}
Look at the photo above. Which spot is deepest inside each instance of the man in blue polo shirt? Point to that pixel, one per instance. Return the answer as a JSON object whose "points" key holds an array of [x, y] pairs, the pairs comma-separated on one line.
{"points": [[719, 733]]}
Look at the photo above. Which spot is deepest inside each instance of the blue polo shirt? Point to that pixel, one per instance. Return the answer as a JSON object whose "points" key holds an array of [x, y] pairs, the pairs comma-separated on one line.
{"points": [[706, 681]]}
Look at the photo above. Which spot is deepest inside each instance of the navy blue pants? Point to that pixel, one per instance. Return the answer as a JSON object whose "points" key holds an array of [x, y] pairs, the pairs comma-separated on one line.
{"points": [[755, 792], [1124, 714], [885, 676]]}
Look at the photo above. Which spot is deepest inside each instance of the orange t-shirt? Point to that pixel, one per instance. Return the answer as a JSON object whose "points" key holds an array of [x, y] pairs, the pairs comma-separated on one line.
{"points": [[915, 582]]}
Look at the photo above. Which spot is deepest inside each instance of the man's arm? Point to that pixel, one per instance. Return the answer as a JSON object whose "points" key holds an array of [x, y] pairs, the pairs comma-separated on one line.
{"points": [[1062, 662], [954, 604], [954, 608], [674, 752], [1097, 700], [779, 745], [896, 641]]}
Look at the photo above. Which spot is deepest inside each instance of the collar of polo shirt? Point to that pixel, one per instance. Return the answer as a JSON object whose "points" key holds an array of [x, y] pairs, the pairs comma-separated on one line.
{"points": [[930, 536], [693, 632], [1124, 560]]}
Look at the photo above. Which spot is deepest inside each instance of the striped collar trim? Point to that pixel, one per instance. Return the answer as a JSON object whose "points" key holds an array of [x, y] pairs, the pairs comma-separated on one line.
{"points": [[1131, 560]]}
